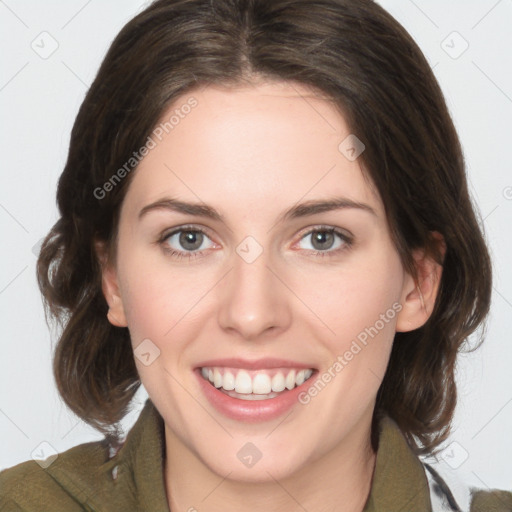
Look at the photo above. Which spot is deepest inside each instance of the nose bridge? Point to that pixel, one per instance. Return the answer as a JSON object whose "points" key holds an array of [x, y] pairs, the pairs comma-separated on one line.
{"points": [[252, 300]]}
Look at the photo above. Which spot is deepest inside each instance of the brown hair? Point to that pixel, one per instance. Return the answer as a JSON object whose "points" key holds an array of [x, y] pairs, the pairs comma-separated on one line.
{"points": [[354, 53]]}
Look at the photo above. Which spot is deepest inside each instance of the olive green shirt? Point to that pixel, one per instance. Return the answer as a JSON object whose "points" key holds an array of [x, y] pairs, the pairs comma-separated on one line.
{"points": [[90, 477]]}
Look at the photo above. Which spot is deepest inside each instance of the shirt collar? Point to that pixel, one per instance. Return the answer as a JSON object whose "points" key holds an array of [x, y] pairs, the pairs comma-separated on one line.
{"points": [[399, 479], [130, 479]]}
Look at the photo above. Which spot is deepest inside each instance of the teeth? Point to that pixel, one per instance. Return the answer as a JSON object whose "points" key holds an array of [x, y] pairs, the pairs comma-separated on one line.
{"points": [[278, 383], [229, 381], [253, 383], [290, 380], [217, 378], [250, 396], [261, 384], [243, 382]]}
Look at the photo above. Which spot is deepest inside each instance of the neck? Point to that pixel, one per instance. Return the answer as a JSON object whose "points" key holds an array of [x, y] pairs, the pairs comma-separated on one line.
{"points": [[339, 480]]}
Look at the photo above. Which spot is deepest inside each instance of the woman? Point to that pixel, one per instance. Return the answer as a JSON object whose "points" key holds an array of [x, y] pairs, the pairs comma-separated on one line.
{"points": [[265, 221]]}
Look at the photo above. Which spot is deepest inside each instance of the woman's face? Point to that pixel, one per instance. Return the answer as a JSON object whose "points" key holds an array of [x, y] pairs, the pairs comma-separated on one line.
{"points": [[256, 284]]}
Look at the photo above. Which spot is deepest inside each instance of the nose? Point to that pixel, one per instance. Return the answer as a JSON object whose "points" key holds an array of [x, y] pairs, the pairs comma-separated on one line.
{"points": [[254, 302]]}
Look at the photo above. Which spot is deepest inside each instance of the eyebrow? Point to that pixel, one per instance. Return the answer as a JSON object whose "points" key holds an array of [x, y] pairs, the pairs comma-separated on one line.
{"points": [[297, 211]]}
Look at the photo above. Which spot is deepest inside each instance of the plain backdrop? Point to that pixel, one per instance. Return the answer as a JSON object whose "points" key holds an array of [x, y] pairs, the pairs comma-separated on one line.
{"points": [[51, 53]]}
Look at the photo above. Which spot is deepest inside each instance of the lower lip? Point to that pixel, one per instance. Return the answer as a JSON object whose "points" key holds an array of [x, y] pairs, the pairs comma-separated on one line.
{"points": [[251, 411]]}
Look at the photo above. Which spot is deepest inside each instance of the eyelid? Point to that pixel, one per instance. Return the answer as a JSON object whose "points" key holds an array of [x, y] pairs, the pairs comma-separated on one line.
{"points": [[303, 232], [343, 233], [186, 227]]}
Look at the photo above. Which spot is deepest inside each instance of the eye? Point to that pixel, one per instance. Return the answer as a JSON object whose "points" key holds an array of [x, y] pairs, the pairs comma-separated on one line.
{"points": [[326, 240], [185, 240], [190, 242]]}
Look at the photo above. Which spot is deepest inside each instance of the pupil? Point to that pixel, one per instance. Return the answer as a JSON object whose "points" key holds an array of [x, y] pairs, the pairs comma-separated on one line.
{"points": [[322, 237], [191, 240]]}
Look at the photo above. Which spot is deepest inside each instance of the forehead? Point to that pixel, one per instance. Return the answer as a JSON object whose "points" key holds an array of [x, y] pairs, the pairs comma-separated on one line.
{"points": [[251, 146]]}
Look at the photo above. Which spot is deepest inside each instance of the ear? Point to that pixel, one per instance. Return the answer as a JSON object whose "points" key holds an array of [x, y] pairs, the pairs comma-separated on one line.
{"points": [[418, 297], [110, 286]]}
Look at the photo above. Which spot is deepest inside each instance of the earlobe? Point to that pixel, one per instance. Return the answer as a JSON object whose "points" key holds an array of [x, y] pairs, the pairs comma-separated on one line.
{"points": [[110, 287], [419, 297], [115, 312]]}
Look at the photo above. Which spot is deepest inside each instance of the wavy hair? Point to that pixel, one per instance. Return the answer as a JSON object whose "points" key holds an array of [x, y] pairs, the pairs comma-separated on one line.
{"points": [[359, 57]]}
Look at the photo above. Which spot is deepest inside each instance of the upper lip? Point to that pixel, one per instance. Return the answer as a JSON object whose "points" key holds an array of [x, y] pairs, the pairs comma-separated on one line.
{"points": [[254, 364]]}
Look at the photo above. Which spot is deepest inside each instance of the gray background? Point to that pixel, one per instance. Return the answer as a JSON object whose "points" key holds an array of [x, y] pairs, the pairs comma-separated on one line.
{"points": [[40, 94]]}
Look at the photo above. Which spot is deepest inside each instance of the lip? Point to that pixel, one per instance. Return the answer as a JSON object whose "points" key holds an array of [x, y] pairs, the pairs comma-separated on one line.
{"points": [[255, 364], [252, 411]]}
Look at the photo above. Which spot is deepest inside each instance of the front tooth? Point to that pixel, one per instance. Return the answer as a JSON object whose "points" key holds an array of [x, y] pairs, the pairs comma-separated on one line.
{"points": [[278, 383], [261, 384], [229, 381], [299, 379], [243, 382], [290, 379], [217, 378]]}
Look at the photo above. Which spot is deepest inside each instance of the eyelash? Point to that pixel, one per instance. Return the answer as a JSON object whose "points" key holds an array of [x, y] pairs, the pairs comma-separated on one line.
{"points": [[190, 255]]}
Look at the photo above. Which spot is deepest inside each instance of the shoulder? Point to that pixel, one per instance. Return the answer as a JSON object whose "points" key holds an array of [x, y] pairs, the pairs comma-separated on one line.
{"points": [[491, 501], [29, 487], [57, 483], [448, 493], [101, 475]]}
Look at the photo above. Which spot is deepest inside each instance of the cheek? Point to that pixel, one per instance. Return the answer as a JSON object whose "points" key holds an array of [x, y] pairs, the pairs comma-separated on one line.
{"points": [[355, 297], [359, 303], [159, 299]]}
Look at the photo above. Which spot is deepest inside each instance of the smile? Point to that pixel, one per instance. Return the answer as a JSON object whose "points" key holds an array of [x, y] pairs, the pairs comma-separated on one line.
{"points": [[260, 384]]}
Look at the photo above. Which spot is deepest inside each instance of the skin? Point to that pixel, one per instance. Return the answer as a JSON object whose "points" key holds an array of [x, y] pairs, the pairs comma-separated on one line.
{"points": [[251, 153]]}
